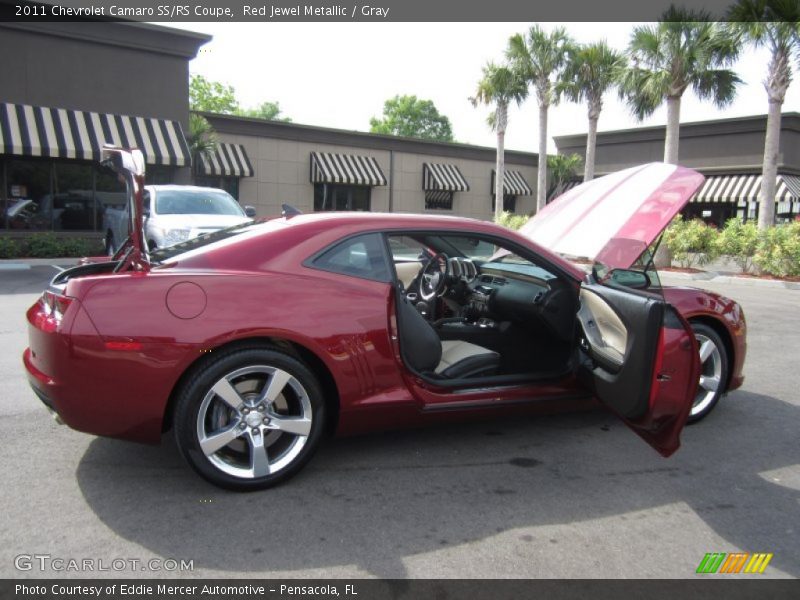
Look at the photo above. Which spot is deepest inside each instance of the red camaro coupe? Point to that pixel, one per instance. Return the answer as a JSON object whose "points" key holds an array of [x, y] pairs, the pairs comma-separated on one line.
{"points": [[252, 341]]}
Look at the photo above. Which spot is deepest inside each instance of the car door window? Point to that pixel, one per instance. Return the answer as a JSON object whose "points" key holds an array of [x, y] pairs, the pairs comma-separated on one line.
{"points": [[361, 256]]}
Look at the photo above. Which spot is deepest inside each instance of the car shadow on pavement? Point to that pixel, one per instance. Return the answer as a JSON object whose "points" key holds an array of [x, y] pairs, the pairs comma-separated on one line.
{"points": [[372, 501]]}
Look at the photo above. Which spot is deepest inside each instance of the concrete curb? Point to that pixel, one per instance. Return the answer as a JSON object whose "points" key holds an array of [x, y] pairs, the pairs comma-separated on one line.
{"points": [[33, 262]]}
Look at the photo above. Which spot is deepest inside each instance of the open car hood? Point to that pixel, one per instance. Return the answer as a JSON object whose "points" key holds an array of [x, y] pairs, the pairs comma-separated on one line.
{"points": [[613, 219]]}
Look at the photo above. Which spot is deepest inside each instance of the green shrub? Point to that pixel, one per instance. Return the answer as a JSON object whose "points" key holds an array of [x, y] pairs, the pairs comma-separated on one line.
{"points": [[42, 245], [9, 248], [739, 241], [512, 221], [79, 247], [691, 242], [48, 245], [778, 251]]}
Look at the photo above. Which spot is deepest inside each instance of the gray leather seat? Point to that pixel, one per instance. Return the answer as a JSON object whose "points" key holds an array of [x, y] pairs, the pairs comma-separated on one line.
{"points": [[424, 352]]}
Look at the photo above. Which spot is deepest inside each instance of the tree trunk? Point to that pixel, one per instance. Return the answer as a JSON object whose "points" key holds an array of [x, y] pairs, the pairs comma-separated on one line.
{"points": [[591, 144], [500, 167], [541, 184], [769, 169], [663, 257], [673, 130]]}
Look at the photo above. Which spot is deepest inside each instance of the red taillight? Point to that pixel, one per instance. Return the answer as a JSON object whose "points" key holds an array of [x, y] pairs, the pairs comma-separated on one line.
{"points": [[54, 306]]}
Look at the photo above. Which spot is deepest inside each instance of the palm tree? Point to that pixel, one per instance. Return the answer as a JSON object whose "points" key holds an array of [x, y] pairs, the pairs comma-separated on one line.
{"points": [[563, 168], [202, 139], [685, 49], [540, 58], [499, 86], [591, 71], [772, 24]]}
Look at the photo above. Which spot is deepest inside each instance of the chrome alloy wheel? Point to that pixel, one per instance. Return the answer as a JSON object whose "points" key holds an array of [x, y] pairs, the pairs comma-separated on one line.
{"points": [[710, 374], [254, 421]]}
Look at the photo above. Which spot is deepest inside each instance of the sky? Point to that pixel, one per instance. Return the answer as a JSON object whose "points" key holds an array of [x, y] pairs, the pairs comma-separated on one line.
{"points": [[339, 75]]}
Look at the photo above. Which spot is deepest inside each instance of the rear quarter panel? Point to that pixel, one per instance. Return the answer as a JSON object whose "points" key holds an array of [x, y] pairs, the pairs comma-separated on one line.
{"points": [[342, 320]]}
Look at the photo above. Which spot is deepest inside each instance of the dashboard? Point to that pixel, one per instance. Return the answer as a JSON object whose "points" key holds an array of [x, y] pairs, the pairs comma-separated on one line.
{"points": [[509, 295]]}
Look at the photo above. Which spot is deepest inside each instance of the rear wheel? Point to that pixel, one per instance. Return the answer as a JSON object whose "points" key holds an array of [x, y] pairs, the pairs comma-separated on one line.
{"points": [[713, 371], [250, 419]]}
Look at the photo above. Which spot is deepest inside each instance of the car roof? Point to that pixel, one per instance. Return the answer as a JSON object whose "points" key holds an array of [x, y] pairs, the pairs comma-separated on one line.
{"points": [[314, 231], [383, 219]]}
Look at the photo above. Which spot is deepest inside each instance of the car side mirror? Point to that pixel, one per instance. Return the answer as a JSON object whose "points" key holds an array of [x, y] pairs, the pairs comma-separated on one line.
{"points": [[250, 211], [636, 280]]}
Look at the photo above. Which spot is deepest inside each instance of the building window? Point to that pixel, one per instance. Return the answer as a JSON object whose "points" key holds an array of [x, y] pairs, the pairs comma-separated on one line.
{"points": [[229, 184], [62, 195], [28, 189], [438, 200], [333, 196], [73, 198], [509, 203], [109, 192]]}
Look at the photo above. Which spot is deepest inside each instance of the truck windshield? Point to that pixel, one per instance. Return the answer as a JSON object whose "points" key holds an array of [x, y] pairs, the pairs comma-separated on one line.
{"points": [[196, 202]]}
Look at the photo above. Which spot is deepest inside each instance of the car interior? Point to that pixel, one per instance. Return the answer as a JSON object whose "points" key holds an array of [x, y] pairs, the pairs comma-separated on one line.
{"points": [[469, 310]]}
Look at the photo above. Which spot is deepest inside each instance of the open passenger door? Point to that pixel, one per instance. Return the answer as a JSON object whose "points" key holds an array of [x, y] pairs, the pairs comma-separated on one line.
{"points": [[641, 360]]}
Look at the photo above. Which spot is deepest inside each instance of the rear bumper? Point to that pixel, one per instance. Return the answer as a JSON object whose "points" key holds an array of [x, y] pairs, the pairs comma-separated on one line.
{"points": [[41, 384]]}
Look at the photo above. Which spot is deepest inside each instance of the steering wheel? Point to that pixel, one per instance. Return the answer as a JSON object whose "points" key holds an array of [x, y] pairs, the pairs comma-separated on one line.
{"points": [[433, 280]]}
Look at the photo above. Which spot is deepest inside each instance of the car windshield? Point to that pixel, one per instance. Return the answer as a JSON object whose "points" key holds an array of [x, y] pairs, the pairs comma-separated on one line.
{"points": [[196, 202]]}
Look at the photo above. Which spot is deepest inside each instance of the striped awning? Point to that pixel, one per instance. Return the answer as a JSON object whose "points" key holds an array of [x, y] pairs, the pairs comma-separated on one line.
{"points": [[61, 133], [514, 184], [227, 160], [741, 189], [563, 188], [345, 168], [443, 177]]}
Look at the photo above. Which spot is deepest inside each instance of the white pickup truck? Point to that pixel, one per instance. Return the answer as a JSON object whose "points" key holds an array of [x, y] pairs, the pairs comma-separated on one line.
{"points": [[174, 214]]}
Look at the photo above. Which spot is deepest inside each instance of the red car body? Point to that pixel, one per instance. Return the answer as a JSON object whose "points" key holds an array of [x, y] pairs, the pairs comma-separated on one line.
{"points": [[109, 351]]}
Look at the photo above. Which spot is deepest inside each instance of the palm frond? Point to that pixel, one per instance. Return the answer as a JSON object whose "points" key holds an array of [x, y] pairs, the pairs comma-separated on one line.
{"points": [[717, 85]]}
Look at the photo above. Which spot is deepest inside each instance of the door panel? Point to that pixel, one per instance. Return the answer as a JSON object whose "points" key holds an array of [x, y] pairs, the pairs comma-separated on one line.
{"points": [[641, 361]]}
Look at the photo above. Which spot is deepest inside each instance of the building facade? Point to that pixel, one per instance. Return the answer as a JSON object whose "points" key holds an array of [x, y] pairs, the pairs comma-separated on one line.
{"points": [[70, 89], [729, 152], [316, 168]]}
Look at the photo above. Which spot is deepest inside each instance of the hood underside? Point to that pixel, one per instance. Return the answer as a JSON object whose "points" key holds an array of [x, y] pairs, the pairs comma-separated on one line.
{"points": [[613, 219]]}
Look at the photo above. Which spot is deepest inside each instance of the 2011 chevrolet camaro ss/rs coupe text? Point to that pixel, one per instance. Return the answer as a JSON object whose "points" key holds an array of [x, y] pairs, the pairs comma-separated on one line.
{"points": [[251, 342]]}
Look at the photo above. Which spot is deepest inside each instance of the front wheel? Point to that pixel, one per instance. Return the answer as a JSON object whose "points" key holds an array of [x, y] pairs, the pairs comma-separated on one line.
{"points": [[713, 371], [250, 419]]}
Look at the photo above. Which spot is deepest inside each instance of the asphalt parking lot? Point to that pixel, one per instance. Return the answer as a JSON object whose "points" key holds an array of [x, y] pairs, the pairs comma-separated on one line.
{"points": [[575, 495]]}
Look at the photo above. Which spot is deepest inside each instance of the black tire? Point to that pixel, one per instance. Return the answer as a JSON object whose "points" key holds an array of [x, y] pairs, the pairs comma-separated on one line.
{"points": [[705, 400], [302, 390]]}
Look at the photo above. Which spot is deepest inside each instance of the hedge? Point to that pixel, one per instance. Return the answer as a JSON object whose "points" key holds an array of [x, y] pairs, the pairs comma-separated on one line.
{"points": [[775, 251], [48, 245]]}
